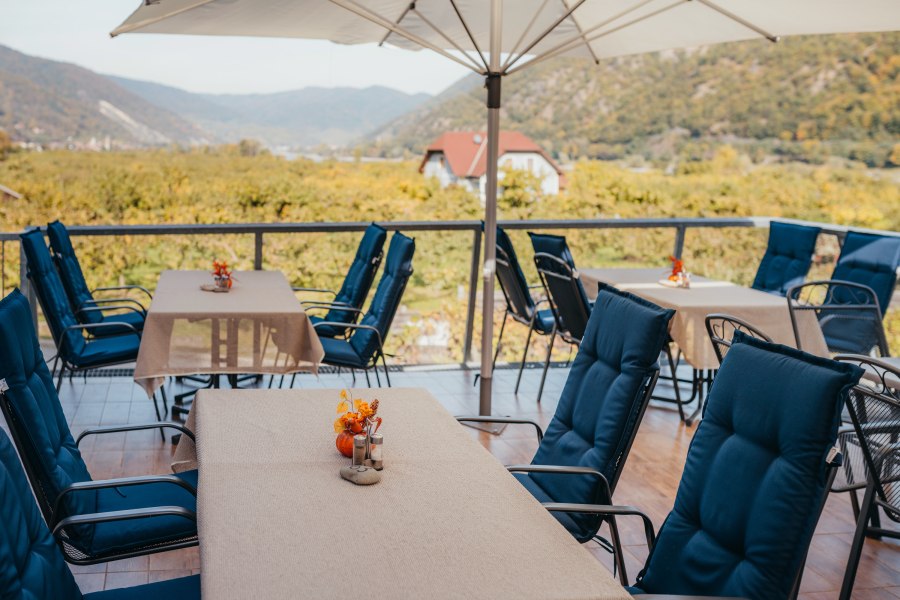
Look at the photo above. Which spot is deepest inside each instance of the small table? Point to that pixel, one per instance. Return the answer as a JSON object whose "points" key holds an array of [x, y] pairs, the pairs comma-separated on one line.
{"points": [[191, 331], [767, 312], [446, 521]]}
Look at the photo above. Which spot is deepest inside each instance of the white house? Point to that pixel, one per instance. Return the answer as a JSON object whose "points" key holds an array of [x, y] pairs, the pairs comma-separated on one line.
{"points": [[459, 157]]}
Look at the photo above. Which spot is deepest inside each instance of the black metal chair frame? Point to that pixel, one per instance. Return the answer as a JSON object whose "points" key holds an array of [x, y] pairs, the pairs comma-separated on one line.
{"points": [[866, 301], [52, 508], [607, 487], [881, 384], [504, 261]]}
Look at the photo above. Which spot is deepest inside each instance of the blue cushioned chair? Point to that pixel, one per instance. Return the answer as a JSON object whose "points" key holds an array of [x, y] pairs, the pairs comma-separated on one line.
{"points": [[569, 303], [584, 450], [755, 478], [31, 565], [787, 259], [61, 482], [520, 305], [365, 345], [355, 288], [86, 307], [851, 305], [74, 351]]}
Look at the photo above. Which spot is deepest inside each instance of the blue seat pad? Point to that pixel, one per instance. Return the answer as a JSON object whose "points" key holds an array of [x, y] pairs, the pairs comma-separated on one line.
{"points": [[123, 535], [135, 319], [108, 350], [183, 588], [323, 331], [341, 353]]}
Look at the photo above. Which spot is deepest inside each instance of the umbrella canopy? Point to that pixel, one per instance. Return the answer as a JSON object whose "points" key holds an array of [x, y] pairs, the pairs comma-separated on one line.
{"points": [[497, 38]]}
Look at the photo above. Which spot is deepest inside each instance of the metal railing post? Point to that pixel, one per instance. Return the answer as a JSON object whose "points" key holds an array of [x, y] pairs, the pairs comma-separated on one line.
{"points": [[679, 241], [473, 291], [25, 285], [258, 250]]}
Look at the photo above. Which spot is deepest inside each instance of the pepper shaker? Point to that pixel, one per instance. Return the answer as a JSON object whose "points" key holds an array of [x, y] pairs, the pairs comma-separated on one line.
{"points": [[376, 450]]}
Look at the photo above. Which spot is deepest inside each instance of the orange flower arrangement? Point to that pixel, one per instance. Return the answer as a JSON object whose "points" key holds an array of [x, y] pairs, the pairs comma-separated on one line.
{"points": [[361, 419], [221, 274], [677, 267]]}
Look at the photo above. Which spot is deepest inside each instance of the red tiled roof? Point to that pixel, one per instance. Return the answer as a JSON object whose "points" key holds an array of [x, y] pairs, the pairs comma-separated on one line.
{"points": [[466, 151]]}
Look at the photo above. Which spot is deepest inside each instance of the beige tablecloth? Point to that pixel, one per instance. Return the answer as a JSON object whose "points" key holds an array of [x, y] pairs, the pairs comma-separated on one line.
{"points": [[767, 312], [446, 521], [257, 327]]}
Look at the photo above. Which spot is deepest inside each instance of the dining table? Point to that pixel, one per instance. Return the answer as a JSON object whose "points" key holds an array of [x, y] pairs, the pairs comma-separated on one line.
{"points": [[257, 326], [767, 312], [446, 520]]}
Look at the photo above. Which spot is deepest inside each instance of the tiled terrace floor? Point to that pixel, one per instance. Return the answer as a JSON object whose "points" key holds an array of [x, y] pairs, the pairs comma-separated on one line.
{"points": [[649, 481]]}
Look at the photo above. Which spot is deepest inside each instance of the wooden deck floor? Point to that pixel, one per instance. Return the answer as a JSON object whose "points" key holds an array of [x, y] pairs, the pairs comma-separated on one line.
{"points": [[649, 481]]}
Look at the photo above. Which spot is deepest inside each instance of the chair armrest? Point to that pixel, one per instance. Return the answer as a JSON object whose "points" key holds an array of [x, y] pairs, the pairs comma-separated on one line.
{"points": [[123, 287], [507, 420], [606, 510], [89, 326], [342, 305], [564, 470], [90, 309], [682, 597], [329, 306], [103, 484], [316, 290], [134, 427], [793, 294], [101, 301], [124, 515]]}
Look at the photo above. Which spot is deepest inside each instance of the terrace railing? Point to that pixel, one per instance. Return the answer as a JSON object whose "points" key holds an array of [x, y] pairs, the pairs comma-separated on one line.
{"points": [[259, 231]]}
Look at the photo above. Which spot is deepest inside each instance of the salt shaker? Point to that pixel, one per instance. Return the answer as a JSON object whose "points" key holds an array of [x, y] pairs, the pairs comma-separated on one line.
{"points": [[359, 450], [376, 451]]}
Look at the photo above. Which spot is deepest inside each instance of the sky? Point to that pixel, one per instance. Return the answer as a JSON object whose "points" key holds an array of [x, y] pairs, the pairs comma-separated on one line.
{"points": [[77, 31]]}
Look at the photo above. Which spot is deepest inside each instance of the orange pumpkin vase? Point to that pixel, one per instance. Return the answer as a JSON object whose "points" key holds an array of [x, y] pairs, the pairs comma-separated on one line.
{"points": [[344, 443]]}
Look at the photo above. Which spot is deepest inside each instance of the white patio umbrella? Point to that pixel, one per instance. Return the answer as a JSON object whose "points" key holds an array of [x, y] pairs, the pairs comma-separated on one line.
{"points": [[496, 38]]}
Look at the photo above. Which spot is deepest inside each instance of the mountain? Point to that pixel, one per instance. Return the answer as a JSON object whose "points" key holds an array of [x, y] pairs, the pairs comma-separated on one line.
{"points": [[808, 95], [46, 101], [305, 117]]}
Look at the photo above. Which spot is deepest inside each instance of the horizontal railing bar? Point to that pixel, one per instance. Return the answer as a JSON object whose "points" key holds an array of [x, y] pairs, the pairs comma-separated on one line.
{"points": [[338, 227]]}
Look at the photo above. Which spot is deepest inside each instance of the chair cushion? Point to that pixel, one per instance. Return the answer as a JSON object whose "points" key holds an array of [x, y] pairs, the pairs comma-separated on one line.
{"points": [[544, 321], [31, 565], [360, 276], [135, 319], [183, 588], [108, 350], [38, 419], [540, 495], [871, 260], [603, 399], [556, 245], [70, 271], [755, 475], [51, 294], [787, 258], [386, 301], [511, 278], [341, 353], [119, 536]]}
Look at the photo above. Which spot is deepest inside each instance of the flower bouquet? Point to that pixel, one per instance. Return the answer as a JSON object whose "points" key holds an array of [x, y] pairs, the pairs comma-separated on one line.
{"points": [[362, 419], [222, 275], [679, 277]]}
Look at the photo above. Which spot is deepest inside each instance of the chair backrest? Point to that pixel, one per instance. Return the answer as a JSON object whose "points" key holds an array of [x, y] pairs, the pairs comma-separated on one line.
{"points": [[870, 260], [721, 327], [755, 477], [51, 295], [603, 401], [362, 271], [397, 271], [512, 280], [31, 565], [874, 407], [34, 414], [848, 314], [787, 258], [70, 271], [563, 286]]}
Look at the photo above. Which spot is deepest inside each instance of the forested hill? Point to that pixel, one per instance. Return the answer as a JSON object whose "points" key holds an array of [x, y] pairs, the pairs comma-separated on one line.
{"points": [[841, 90]]}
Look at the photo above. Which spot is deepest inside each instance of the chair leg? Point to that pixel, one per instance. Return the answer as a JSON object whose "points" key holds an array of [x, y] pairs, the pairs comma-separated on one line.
{"points": [[53, 370], [673, 367], [387, 375], [500, 339], [62, 370], [158, 417], [377, 376], [525, 353], [546, 363], [618, 549], [368, 381], [165, 399], [859, 538], [293, 379]]}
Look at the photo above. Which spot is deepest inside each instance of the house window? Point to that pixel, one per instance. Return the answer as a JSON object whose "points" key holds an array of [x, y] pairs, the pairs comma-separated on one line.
{"points": [[531, 164], [442, 162]]}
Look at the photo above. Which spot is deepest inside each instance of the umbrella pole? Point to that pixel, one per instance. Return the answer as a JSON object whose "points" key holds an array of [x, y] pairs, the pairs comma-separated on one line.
{"points": [[492, 82]]}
